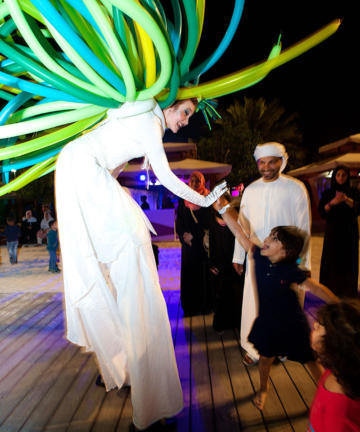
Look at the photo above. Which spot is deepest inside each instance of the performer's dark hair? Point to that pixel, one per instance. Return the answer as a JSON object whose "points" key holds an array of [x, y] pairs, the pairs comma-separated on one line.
{"points": [[341, 344]]}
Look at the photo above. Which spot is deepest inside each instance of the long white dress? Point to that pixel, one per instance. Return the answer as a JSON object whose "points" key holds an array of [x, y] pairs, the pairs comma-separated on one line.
{"points": [[120, 313], [265, 205]]}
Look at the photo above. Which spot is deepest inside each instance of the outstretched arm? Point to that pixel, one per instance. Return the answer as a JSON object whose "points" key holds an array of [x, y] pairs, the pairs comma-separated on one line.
{"points": [[320, 290], [230, 217], [160, 165]]}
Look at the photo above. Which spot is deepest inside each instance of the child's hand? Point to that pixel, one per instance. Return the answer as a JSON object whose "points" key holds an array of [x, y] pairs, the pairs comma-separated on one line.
{"points": [[220, 203]]}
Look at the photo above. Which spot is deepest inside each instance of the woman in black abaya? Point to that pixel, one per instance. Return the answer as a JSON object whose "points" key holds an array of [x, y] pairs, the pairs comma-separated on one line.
{"points": [[340, 206]]}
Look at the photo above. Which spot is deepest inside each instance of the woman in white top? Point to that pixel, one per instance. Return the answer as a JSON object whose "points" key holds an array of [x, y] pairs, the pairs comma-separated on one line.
{"points": [[114, 303]]}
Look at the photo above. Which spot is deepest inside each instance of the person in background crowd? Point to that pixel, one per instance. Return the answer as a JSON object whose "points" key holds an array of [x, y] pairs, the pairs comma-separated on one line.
{"points": [[52, 245], [12, 233], [340, 207], [192, 223], [44, 225], [144, 203], [226, 282], [272, 200], [29, 227], [336, 340]]}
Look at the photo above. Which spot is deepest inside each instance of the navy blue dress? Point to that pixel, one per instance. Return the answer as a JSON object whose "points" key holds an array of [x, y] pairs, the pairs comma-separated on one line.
{"points": [[281, 329]]}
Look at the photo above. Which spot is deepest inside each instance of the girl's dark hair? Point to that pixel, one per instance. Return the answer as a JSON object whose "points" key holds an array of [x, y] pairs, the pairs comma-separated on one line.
{"points": [[334, 184], [292, 239], [341, 344]]}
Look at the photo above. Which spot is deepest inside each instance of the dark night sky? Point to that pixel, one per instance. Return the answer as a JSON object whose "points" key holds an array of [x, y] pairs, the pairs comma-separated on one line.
{"points": [[321, 85]]}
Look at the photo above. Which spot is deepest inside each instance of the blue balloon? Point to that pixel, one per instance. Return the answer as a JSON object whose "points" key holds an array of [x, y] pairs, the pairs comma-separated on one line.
{"points": [[30, 160], [57, 21], [37, 89], [79, 6], [214, 57], [13, 105]]}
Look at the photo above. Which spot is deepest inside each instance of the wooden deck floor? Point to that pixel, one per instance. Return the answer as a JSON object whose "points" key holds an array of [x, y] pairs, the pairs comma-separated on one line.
{"points": [[48, 384]]}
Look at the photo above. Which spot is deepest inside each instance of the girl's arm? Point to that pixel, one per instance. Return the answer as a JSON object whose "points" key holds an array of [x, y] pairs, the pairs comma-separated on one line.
{"points": [[319, 290], [230, 217]]}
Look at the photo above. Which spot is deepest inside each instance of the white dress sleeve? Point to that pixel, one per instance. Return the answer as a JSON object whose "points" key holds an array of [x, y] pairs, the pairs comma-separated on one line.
{"points": [[154, 149]]}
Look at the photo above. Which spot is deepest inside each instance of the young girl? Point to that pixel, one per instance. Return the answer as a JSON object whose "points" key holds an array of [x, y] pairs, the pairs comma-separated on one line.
{"points": [[336, 340], [281, 328]]}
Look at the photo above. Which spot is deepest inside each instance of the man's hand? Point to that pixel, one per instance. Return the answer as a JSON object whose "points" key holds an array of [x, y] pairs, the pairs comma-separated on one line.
{"points": [[214, 270], [239, 268], [187, 238]]}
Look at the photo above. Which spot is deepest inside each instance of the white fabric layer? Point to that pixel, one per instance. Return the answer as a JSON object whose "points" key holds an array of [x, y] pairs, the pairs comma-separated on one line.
{"points": [[122, 319], [265, 205]]}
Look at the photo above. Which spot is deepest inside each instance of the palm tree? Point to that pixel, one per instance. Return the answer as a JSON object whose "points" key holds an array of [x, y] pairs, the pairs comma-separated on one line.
{"points": [[244, 125]]}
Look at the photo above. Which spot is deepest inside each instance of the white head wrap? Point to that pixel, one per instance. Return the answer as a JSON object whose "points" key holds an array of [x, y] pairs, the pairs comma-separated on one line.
{"points": [[271, 149]]}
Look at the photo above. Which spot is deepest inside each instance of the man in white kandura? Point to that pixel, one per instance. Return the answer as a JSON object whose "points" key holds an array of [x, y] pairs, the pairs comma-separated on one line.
{"points": [[272, 200]]}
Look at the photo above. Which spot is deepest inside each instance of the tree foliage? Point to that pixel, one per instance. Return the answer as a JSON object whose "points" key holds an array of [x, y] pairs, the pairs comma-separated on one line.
{"points": [[244, 125]]}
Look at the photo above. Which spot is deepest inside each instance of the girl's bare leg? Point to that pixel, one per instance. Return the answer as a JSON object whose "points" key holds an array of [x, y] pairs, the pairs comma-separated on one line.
{"points": [[316, 369], [264, 372]]}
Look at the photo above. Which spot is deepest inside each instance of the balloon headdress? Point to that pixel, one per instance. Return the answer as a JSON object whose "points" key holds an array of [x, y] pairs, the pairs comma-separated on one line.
{"points": [[63, 63]]}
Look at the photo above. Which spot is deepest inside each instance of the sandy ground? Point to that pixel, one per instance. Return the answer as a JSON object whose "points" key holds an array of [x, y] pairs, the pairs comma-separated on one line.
{"points": [[31, 272]]}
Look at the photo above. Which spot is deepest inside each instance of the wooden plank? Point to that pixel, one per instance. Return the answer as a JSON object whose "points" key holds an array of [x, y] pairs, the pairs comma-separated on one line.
{"points": [[244, 391], [126, 412], [24, 409], [202, 407], [273, 413], [14, 311], [182, 353], [302, 380], [294, 405], [19, 346], [109, 415], [226, 415], [88, 409], [26, 374], [50, 399], [83, 382], [21, 324]]}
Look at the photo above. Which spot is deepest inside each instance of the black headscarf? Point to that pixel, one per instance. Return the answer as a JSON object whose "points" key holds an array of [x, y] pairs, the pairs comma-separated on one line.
{"points": [[335, 185]]}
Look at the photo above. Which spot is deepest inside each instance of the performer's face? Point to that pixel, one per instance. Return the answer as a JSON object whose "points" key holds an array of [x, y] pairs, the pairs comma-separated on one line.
{"points": [[177, 116], [273, 248], [269, 167]]}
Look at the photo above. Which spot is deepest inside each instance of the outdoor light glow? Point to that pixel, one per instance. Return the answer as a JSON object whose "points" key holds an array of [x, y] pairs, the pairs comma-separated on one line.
{"points": [[142, 177]]}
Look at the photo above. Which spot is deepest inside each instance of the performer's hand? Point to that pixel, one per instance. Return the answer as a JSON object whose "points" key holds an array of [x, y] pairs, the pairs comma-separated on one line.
{"points": [[239, 268], [218, 190]]}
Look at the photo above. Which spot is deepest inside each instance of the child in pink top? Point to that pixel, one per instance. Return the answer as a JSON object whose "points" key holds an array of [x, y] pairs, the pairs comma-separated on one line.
{"points": [[336, 339]]}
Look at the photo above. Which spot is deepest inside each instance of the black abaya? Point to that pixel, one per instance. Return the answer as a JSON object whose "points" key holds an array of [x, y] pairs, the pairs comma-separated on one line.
{"points": [[340, 255]]}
